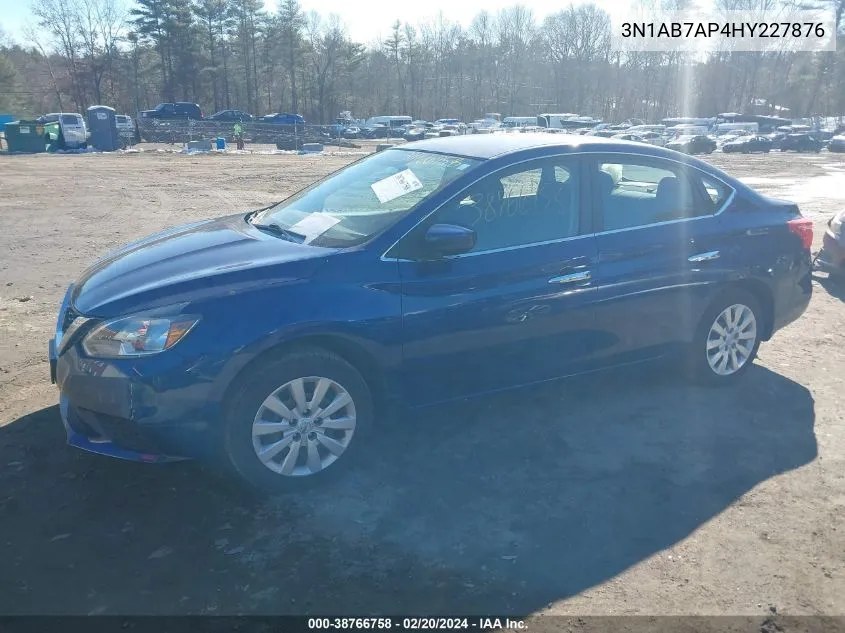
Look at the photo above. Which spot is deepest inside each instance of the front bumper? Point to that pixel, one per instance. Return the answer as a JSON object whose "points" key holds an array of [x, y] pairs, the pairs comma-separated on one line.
{"points": [[92, 442], [148, 410], [832, 256]]}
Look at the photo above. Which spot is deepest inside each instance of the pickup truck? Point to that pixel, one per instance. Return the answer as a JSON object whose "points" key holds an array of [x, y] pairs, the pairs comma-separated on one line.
{"points": [[178, 110]]}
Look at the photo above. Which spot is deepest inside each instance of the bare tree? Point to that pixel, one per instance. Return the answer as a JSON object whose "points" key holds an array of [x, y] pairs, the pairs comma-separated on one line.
{"points": [[32, 35]]}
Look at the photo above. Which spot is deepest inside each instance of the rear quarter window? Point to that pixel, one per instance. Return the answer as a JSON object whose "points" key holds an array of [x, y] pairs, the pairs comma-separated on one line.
{"points": [[716, 192]]}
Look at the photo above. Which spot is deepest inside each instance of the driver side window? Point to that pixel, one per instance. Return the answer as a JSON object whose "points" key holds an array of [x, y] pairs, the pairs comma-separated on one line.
{"points": [[534, 202]]}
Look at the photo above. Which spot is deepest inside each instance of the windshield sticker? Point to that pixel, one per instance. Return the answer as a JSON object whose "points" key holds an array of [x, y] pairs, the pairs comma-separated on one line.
{"points": [[396, 186], [313, 226]]}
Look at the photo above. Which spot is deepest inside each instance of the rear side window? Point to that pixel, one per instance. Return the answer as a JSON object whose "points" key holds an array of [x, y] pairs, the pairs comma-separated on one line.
{"points": [[633, 193], [69, 119]]}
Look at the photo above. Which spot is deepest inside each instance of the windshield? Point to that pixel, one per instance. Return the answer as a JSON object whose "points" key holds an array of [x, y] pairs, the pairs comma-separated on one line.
{"points": [[362, 200]]}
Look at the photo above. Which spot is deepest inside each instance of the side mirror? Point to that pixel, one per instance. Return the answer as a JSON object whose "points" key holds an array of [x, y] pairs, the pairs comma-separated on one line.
{"points": [[449, 239]]}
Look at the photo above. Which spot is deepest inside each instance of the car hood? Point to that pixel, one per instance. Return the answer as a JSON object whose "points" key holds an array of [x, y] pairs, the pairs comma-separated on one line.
{"points": [[191, 262]]}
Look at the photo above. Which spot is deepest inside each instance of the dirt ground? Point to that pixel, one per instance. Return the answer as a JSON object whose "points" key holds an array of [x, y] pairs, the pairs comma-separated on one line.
{"points": [[615, 495]]}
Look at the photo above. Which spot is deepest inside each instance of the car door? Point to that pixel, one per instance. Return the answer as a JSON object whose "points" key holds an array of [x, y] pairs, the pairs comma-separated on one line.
{"points": [[658, 241], [518, 307]]}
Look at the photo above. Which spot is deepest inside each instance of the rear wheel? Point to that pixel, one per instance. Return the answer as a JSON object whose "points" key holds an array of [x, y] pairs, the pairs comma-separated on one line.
{"points": [[299, 421], [727, 338]]}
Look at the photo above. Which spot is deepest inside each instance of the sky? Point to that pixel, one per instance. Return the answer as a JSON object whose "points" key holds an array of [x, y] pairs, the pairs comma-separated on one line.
{"points": [[366, 20]]}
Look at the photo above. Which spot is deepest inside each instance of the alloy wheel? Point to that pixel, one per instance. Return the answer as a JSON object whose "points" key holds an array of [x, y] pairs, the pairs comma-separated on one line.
{"points": [[731, 339], [304, 426]]}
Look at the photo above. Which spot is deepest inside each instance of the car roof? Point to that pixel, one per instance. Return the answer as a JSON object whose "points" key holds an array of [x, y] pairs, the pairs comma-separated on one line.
{"points": [[485, 146]]}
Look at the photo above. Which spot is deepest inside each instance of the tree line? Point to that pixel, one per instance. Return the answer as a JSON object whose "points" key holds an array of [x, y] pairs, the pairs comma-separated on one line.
{"points": [[227, 54]]}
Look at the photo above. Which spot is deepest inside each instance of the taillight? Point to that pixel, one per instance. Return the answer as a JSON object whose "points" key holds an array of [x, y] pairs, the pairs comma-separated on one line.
{"points": [[803, 228]]}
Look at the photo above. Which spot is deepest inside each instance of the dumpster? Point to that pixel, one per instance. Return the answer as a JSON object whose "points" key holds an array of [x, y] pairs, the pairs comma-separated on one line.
{"points": [[25, 136], [102, 124]]}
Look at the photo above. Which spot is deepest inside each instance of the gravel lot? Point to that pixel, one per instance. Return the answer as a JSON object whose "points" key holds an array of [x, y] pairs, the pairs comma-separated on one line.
{"points": [[620, 494]]}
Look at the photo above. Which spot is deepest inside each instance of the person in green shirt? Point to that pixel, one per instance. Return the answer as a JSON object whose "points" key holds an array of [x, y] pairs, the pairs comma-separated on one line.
{"points": [[239, 135]]}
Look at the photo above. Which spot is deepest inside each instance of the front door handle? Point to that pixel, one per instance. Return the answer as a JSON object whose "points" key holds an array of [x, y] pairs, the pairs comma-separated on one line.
{"points": [[583, 275], [704, 257]]}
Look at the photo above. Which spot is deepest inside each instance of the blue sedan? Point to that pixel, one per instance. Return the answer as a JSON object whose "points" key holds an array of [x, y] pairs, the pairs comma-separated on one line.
{"points": [[274, 342]]}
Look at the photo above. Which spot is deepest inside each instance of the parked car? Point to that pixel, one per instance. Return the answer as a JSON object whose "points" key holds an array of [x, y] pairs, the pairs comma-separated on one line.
{"points": [[352, 132], [776, 138], [721, 141], [653, 138], [415, 134], [376, 130], [831, 258], [800, 143], [125, 125], [636, 138], [231, 115], [748, 144], [693, 144], [837, 144], [415, 276], [178, 110], [72, 126], [283, 118], [125, 129]]}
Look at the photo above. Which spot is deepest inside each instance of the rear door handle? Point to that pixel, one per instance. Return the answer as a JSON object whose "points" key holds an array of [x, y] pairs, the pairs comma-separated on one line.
{"points": [[704, 257], [761, 231], [583, 275]]}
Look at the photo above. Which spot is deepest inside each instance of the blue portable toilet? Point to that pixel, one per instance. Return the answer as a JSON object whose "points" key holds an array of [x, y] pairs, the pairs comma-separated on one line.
{"points": [[102, 124]]}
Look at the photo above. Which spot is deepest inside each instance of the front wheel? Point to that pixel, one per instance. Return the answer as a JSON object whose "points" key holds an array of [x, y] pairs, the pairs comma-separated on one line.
{"points": [[727, 338], [299, 420]]}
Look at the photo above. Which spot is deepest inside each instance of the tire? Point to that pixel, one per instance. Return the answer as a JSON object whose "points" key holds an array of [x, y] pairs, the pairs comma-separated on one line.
{"points": [[277, 377], [705, 360]]}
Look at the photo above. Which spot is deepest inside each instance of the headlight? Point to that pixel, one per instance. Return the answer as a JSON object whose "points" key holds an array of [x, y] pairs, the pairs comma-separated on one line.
{"points": [[136, 336], [836, 224]]}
